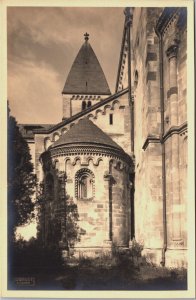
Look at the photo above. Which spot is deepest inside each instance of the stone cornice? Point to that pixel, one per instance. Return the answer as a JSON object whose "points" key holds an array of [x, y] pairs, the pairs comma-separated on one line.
{"points": [[82, 113], [150, 139], [175, 130], [86, 149], [165, 18], [172, 130]]}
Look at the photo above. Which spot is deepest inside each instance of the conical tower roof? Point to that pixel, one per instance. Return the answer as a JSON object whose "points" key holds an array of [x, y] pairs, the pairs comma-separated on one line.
{"points": [[85, 132], [86, 75]]}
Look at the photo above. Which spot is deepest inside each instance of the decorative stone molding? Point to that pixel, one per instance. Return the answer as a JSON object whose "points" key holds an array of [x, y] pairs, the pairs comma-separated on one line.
{"points": [[175, 130], [78, 175], [177, 243], [167, 17], [109, 177], [181, 130], [128, 16], [81, 114], [101, 150], [172, 90], [150, 139], [172, 51]]}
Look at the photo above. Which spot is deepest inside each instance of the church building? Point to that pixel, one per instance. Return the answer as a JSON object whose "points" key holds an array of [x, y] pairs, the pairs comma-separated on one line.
{"points": [[121, 158]]}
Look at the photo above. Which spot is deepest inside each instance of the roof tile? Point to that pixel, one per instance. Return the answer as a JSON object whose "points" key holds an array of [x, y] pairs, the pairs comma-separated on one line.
{"points": [[86, 75], [85, 131]]}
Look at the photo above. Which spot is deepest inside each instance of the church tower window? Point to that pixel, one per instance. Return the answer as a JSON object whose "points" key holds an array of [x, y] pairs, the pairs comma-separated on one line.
{"points": [[84, 184], [83, 105], [89, 104]]}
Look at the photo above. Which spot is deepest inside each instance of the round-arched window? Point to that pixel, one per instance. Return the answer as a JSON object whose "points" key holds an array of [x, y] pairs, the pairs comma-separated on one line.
{"points": [[84, 184]]}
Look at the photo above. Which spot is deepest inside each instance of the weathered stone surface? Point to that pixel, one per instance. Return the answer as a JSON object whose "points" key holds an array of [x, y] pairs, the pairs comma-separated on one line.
{"points": [[149, 122]]}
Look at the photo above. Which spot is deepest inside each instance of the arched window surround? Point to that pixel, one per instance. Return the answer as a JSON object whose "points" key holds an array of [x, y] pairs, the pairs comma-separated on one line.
{"points": [[84, 184]]}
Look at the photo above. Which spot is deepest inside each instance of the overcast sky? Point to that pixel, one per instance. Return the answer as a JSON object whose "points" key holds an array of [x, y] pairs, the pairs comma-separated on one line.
{"points": [[42, 45]]}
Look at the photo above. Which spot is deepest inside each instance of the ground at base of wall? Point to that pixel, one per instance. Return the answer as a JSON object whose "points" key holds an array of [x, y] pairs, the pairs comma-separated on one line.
{"points": [[103, 273], [174, 258]]}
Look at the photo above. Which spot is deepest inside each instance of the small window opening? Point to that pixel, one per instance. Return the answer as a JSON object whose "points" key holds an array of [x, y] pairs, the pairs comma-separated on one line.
{"points": [[86, 83], [135, 79], [84, 184], [83, 105], [89, 104], [111, 119]]}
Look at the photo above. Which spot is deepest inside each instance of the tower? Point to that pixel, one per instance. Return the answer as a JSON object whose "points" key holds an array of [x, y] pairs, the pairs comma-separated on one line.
{"points": [[86, 83]]}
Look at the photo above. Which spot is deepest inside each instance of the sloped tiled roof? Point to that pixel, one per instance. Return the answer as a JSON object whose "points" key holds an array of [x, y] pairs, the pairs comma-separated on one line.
{"points": [[85, 132], [86, 75]]}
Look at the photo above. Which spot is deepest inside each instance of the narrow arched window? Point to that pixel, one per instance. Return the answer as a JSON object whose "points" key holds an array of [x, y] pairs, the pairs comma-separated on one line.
{"points": [[135, 79], [89, 104], [83, 105], [111, 119], [84, 181]]}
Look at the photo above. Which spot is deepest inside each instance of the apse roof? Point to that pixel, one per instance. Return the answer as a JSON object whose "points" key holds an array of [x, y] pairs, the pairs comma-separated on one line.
{"points": [[85, 132], [86, 75]]}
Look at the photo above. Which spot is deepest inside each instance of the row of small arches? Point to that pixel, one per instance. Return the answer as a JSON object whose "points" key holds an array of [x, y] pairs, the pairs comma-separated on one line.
{"points": [[49, 140]]}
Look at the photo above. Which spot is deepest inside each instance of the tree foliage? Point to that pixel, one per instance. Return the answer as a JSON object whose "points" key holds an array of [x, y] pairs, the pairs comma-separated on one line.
{"points": [[72, 218], [21, 180]]}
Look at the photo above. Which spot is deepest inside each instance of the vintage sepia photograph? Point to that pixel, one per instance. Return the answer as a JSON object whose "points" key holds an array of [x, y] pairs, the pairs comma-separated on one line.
{"points": [[97, 148]]}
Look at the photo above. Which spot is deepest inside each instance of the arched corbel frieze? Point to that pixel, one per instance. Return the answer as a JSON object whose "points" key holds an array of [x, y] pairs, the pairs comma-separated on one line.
{"points": [[99, 160], [115, 104], [89, 159], [72, 124], [106, 108], [47, 143], [67, 161], [55, 136], [90, 116], [98, 111], [64, 130], [76, 160]]}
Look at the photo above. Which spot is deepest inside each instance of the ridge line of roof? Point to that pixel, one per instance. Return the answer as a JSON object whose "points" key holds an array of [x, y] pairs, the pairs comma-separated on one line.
{"points": [[82, 113], [121, 53]]}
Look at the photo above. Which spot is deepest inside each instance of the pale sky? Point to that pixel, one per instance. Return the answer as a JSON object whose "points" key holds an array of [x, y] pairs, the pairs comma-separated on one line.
{"points": [[42, 45]]}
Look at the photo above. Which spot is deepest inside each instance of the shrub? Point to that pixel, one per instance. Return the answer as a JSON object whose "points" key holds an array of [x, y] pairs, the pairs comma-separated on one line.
{"points": [[30, 257], [136, 249]]}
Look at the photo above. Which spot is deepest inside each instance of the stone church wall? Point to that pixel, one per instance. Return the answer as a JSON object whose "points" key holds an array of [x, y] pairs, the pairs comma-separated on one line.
{"points": [[148, 160], [107, 216], [119, 130], [174, 49], [148, 163], [101, 224]]}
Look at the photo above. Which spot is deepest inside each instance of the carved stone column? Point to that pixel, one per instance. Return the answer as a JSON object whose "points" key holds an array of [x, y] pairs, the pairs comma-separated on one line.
{"points": [[109, 178], [175, 178], [172, 52]]}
